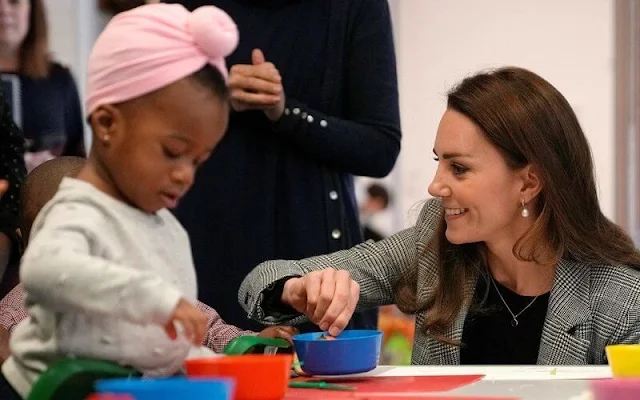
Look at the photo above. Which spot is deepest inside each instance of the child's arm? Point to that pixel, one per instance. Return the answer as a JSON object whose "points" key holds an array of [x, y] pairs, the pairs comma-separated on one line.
{"points": [[60, 272], [219, 333], [12, 308]]}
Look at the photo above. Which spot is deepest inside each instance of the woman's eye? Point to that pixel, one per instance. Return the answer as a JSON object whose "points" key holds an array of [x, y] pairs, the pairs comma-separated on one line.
{"points": [[458, 169]]}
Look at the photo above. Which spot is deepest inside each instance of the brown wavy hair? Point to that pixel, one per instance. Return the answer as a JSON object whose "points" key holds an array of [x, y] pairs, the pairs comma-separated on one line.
{"points": [[35, 60], [529, 122]]}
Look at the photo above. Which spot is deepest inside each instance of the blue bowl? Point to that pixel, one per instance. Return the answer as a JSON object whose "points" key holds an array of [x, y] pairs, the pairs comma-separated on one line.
{"points": [[352, 352], [169, 388]]}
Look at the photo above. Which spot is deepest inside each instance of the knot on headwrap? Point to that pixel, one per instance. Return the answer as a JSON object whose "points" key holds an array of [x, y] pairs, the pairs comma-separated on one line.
{"points": [[154, 45]]}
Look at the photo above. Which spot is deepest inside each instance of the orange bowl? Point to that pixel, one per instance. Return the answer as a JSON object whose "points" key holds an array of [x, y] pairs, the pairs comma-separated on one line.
{"points": [[257, 377]]}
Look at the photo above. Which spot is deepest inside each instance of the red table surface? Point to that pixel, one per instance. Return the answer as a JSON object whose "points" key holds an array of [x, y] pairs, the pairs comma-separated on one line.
{"points": [[395, 387]]}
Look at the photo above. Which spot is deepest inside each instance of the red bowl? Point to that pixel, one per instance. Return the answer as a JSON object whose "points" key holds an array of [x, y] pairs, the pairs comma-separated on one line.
{"points": [[257, 377]]}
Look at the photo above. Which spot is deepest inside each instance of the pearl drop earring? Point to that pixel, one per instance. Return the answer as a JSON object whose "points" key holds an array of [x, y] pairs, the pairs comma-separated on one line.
{"points": [[525, 210]]}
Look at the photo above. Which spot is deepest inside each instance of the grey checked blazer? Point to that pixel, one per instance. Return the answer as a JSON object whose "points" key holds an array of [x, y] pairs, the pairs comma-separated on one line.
{"points": [[590, 307]]}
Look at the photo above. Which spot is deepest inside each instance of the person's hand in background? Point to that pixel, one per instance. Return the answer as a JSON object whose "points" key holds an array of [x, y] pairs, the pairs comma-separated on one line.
{"points": [[257, 87], [4, 186]]}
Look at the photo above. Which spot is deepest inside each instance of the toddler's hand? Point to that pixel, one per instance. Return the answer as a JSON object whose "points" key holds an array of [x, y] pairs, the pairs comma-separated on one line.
{"points": [[281, 332], [190, 320]]}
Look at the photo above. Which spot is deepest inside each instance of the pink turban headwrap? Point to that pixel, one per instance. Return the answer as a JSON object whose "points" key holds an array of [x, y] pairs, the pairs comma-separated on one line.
{"points": [[152, 46]]}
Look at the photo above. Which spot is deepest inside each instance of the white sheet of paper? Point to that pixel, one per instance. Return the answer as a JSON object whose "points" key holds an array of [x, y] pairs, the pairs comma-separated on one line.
{"points": [[496, 372]]}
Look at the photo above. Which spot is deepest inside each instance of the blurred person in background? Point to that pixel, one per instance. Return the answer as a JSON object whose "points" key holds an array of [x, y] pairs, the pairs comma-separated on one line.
{"points": [[41, 92], [12, 174], [376, 201]]}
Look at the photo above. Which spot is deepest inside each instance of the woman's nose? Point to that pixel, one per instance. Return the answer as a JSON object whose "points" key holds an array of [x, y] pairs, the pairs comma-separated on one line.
{"points": [[438, 188]]}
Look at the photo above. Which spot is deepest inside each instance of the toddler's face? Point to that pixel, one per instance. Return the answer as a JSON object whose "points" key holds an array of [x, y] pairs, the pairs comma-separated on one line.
{"points": [[161, 140]]}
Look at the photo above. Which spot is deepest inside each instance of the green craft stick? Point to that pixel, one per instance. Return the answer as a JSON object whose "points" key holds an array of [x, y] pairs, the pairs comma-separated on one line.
{"points": [[320, 385]]}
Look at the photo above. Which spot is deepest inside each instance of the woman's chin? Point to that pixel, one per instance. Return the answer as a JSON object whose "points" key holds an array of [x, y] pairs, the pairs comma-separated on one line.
{"points": [[456, 237]]}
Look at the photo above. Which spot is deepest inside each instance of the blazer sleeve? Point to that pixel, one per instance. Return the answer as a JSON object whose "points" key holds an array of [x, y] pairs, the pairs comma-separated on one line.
{"points": [[376, 266]]}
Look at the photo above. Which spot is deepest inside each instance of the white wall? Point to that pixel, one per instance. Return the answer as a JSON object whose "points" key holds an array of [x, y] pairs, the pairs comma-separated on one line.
{"points": [[568, 42], [73, 27]]}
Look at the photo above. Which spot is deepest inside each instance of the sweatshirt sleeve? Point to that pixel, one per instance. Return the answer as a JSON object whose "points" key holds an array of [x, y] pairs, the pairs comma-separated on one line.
{"points": [[62, 268]]}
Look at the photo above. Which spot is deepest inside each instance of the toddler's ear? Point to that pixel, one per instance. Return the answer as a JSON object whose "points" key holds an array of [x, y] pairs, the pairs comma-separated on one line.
{"points": [[106, 121]]}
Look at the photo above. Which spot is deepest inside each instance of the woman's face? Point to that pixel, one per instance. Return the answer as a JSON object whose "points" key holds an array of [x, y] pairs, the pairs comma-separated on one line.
{"points": [[480, 193], [14, 22]]}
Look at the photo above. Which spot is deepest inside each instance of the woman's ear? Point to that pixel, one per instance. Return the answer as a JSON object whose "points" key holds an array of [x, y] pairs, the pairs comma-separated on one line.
{"points": [[531, 182]]}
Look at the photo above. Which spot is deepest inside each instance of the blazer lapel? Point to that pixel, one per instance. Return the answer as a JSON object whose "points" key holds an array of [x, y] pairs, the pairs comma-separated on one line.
{"points": [[567, 328]]}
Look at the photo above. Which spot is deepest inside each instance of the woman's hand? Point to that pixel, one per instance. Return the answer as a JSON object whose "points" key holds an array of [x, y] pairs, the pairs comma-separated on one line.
{"points": [[328, 298]]}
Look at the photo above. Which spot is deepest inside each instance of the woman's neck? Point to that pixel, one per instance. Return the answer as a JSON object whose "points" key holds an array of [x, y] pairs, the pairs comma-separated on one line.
{"points": [[526, 278]]}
